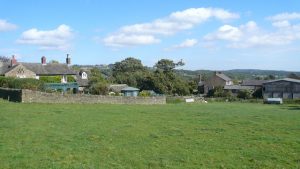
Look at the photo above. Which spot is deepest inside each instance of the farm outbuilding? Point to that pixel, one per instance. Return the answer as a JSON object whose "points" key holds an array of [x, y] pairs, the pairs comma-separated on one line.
{"points": [[130, 91], [283, 88]]}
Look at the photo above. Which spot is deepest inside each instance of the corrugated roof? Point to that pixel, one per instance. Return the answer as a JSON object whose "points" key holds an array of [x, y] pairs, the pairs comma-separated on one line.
{"points": [[253, 82], [130, 89], [285, 79], [238, 87]]}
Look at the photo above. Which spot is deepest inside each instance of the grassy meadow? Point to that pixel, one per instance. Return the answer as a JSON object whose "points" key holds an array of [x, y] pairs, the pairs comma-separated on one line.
{"points": [[213, 135]]}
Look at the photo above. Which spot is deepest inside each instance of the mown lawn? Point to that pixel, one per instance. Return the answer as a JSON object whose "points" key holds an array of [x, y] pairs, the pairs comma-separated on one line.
{"points": [[213, 135]]}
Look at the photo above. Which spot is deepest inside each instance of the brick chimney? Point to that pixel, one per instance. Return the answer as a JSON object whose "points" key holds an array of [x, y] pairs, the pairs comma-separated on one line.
{"points": [[43, 60], [68, 60], [13, 61]]}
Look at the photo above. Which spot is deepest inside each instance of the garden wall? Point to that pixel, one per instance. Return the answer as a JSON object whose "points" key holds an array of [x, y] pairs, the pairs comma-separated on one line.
{"points": [[29, 96]]}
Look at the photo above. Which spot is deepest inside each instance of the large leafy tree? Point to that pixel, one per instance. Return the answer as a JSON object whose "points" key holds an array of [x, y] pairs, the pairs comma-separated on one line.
{"points": [[130, 71], [166, 81], [98, 85]]}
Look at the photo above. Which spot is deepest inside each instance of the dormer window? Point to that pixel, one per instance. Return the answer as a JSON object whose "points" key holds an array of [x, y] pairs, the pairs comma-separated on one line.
{"points": [[83, 75]]}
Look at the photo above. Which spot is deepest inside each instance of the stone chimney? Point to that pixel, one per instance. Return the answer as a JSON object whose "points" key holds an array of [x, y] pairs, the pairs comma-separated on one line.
{"points": [[68, 60], [43, 60], [13, 61]]}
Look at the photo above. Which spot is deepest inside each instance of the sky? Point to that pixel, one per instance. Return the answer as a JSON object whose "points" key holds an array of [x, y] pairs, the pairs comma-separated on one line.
{"points": [[205, 34]]}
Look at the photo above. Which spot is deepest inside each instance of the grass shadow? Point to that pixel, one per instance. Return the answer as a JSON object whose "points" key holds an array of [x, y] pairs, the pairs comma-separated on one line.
{"points": [[292, 107]]}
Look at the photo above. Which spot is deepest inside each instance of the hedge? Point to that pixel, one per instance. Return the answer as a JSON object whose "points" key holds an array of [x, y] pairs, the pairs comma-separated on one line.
{"points": [[25, 83]]}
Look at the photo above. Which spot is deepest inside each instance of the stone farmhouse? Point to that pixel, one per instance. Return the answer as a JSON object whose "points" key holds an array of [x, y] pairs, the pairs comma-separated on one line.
{"points": [[12, 68], [217, 80]]}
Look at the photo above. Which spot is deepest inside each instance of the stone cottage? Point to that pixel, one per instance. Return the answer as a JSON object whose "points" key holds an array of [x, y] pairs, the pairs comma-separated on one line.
{"points": [[217, 80]]}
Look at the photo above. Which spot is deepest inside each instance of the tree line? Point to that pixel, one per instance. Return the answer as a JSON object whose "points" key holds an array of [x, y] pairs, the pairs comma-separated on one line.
{"points": [[162, 79]]}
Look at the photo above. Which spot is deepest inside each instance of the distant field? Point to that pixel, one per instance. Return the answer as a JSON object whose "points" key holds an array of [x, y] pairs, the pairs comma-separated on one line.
{"points": [[213, 135]]}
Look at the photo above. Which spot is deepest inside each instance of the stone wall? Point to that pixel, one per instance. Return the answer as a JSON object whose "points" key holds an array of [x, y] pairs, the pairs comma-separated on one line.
{"points": [[29, 96]]}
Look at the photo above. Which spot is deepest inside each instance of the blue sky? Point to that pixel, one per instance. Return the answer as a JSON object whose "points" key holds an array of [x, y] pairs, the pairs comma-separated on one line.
{"points": [[206, 34]]}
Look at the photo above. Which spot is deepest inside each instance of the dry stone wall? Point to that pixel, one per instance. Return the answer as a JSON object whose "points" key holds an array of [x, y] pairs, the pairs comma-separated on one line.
{"points": [[29, 96]]}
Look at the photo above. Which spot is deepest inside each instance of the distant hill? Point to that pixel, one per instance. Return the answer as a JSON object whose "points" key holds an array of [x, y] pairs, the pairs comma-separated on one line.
{"points": [[238, 74]]}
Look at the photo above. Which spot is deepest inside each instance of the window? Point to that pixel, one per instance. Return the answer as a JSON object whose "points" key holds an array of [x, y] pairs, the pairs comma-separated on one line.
{"points": [[83, 75]]}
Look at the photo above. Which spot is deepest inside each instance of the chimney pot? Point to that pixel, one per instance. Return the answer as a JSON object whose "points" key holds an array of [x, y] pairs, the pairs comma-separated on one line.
{"points": [[43, 60], [68, 60], [13, 61]]}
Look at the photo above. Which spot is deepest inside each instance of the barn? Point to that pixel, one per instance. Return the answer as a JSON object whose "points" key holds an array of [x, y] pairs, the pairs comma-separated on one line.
{"points": [[286, 88]]}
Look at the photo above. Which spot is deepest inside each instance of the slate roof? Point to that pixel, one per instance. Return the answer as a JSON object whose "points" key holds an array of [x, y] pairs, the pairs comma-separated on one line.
{"points": [[253, 82], [39, 69], [130, 89], [49, 69], [117, 87], [4, 67], [223, 76], [238, 87], [285, 79], [82, 82]]}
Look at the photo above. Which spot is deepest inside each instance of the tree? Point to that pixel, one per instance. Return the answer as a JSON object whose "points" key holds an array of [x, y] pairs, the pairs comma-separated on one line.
{"points": [[128, 65], [166, 81], [167, 65], [293, 76], [129, 71], [270, 77], [97, 83], [95, 76]]}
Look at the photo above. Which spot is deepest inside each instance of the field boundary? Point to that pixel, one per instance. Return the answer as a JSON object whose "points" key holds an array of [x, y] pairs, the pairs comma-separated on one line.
{"points": [[29, 96]]}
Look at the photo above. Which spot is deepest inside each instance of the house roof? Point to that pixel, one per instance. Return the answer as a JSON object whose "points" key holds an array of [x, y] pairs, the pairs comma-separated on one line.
{"points": [[285, 79], [130, 89], [49, 69], [4, 67], [238, 87], [253, 82], [39, 69], [117, 87], [223, 76], [82, 82]]}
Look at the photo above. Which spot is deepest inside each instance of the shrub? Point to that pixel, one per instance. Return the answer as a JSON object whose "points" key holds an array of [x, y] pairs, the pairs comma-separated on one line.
{"points": [[99, 88], [244, 94], [145, 94], [26, 83]]}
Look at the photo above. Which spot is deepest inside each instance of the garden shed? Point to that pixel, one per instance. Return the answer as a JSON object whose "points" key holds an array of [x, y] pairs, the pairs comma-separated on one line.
{"points": [[130, 91]]}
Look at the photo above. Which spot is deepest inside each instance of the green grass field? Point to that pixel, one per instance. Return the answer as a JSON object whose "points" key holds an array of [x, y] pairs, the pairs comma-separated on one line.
{"points": [[213, 135]]}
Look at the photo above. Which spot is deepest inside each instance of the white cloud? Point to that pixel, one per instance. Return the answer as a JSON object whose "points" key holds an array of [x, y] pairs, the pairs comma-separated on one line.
{"points": [[188, 43], [281, 24], [285, 16], [122, 40], [57, 39], [6, 26], [226, 32], [172, 24], [250, 35]]}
